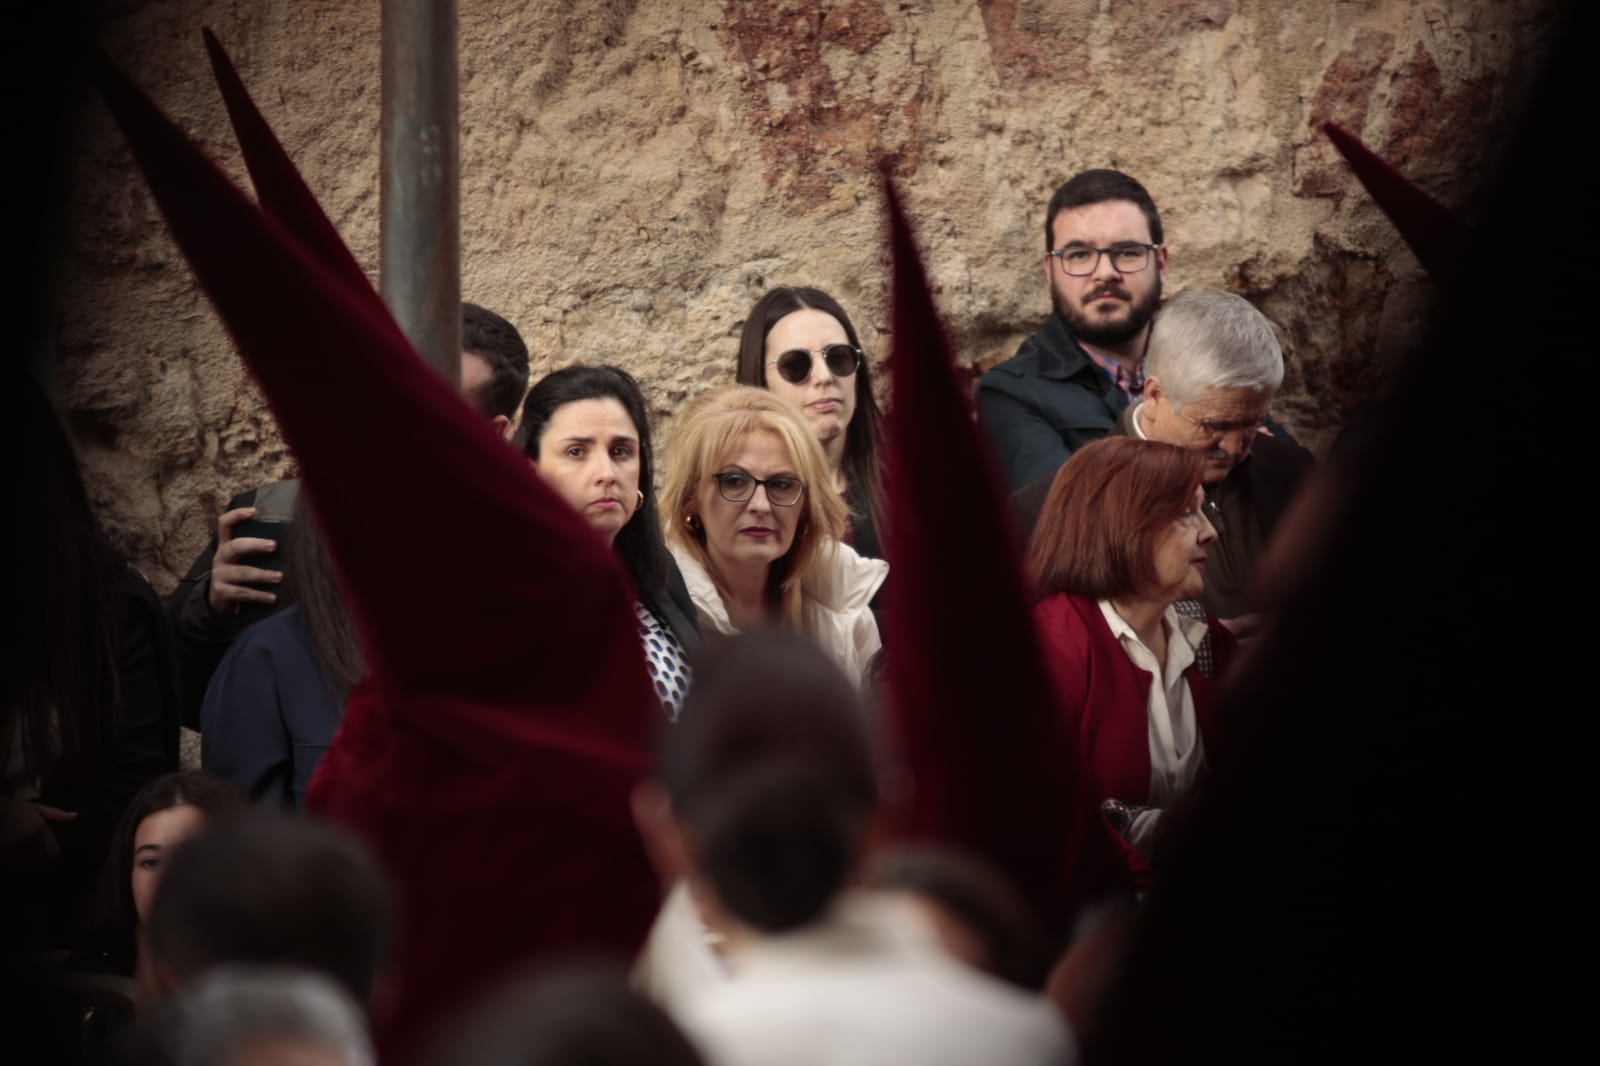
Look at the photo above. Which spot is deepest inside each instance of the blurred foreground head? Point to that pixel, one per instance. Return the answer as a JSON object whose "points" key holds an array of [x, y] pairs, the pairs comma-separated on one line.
{"points": [[770, 779], [252, 1016], [271, 889]]}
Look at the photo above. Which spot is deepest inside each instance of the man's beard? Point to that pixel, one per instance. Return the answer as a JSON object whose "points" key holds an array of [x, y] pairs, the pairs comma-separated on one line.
{"points": [[1109, 334]]}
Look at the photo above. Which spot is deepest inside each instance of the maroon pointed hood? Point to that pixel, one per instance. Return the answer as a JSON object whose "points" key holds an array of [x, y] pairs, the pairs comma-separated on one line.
{"points": [[489, 758], [970, 698], [1437, 237], [280, 190]]}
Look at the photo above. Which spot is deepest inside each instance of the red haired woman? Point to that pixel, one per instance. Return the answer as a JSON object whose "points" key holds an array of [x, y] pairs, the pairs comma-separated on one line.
{"points": [[1121, 539]]}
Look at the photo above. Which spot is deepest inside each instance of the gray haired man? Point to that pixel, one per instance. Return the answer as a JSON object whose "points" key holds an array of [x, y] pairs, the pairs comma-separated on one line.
{"points": [[1211, 368], [1210, 372]]}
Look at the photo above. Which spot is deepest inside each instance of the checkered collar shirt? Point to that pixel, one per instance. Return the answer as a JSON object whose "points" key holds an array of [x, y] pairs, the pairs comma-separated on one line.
{"points": [[1132, 385]]}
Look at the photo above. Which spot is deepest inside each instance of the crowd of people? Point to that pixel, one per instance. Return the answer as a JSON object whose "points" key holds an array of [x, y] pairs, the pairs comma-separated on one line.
{"points": [[610, 780]]}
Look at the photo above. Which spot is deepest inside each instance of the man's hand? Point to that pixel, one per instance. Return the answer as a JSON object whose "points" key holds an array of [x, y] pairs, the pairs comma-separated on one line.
{"points": [[229, 576]]}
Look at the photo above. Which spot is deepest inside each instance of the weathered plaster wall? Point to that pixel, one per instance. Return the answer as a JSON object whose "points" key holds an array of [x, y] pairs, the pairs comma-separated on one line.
{"points": [[635, 174]]}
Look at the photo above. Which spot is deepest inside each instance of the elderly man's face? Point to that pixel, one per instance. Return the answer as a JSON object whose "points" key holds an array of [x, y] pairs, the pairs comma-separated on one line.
{"points": [[1223, 422]]}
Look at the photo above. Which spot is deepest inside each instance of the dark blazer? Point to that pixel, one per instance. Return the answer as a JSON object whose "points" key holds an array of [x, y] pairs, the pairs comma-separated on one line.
{"points": [[1044, 403]]}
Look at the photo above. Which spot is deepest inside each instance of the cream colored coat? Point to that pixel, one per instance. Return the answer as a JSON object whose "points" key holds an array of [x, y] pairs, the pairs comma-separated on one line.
{"points": [[834, 604]]}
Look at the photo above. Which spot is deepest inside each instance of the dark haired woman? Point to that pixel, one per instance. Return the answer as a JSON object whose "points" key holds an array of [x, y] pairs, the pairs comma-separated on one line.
{"points": [[1122, 537], [88, 712], [799, 343], [164, 813], [586, 431], [279, 693]]}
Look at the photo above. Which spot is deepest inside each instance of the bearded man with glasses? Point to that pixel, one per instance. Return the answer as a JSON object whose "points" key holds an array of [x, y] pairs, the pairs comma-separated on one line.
{"points": [[1105, 263]]}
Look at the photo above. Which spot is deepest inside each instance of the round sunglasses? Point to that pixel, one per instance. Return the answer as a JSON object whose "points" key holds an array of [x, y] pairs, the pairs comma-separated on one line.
{"points": [[794, 365]]}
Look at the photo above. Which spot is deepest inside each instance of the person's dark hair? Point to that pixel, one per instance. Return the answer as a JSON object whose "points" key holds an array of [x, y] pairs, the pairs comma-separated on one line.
{"points": [[189, 788], [311, 585], [639, 543], [862, 463], [1016, 944], [770, 771], [578, 1013], [60, 690], [497, 342], [273, 888], [1107, 508], [1098, 187]]}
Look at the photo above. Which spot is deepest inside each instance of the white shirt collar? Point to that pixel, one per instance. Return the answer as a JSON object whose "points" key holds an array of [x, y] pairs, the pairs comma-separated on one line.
{"points": [[1192, 630]]}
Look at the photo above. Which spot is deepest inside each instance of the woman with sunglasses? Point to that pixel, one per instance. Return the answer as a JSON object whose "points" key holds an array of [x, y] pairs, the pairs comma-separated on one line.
{"points": [[757, 544], [799, 343]]}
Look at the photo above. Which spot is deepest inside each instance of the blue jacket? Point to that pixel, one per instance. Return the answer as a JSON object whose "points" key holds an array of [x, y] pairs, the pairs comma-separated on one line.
{"points": [[268, 714]]}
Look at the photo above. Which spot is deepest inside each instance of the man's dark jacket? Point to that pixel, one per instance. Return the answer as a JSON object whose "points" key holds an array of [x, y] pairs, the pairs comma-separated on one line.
{"points": [[1046, 402]]}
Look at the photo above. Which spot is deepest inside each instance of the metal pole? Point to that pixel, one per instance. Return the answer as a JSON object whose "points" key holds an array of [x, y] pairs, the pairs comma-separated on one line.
{"points": [[420, 198]]}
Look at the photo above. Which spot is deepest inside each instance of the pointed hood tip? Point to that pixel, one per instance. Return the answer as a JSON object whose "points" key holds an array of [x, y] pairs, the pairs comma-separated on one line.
{"points": [[1435, 235]]}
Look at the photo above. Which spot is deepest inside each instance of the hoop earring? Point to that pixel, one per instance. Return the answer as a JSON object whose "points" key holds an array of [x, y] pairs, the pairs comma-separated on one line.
{"points": [[641, 498], [693, 522]]}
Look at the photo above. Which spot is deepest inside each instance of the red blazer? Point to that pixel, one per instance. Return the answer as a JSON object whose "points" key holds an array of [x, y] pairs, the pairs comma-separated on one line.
{"points": [[1104, 698]]}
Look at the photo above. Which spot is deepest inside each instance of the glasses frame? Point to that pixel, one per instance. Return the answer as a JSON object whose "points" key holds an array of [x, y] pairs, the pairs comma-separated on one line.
{"points": [[1224, 429], [758, 483], [1059, 255], [811, 363]]}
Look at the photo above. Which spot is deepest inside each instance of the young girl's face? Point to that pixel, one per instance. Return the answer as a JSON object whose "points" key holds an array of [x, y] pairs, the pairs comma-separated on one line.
{"points": [[153, 842]]}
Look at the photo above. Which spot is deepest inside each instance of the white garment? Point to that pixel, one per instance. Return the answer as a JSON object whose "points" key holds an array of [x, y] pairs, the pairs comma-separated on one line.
{"points": [[1177, 754], [677, 965], [834, 604], [861, 986]]}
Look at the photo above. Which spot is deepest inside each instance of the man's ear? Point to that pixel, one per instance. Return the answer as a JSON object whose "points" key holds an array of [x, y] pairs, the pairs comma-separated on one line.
{"points": [[1156, 407], [502, 426], [1161, 263], [663, 839]]}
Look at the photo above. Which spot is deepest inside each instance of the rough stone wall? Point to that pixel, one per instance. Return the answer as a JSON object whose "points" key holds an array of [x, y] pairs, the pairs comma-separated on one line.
{"points": [[636, 174]]}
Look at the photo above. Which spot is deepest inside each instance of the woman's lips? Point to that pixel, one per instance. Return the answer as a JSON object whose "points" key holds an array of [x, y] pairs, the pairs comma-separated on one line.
{"points": [[606, 503], [823, 406], [758, 531]]}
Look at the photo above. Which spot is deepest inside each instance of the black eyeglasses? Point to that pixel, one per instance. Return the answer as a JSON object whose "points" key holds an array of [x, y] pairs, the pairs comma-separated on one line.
{"points": [[736, 486], [794, 365], [1080, 260]]}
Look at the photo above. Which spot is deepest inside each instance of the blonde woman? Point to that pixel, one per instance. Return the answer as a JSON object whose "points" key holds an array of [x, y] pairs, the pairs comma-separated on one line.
{"points": [[754, 525]]}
